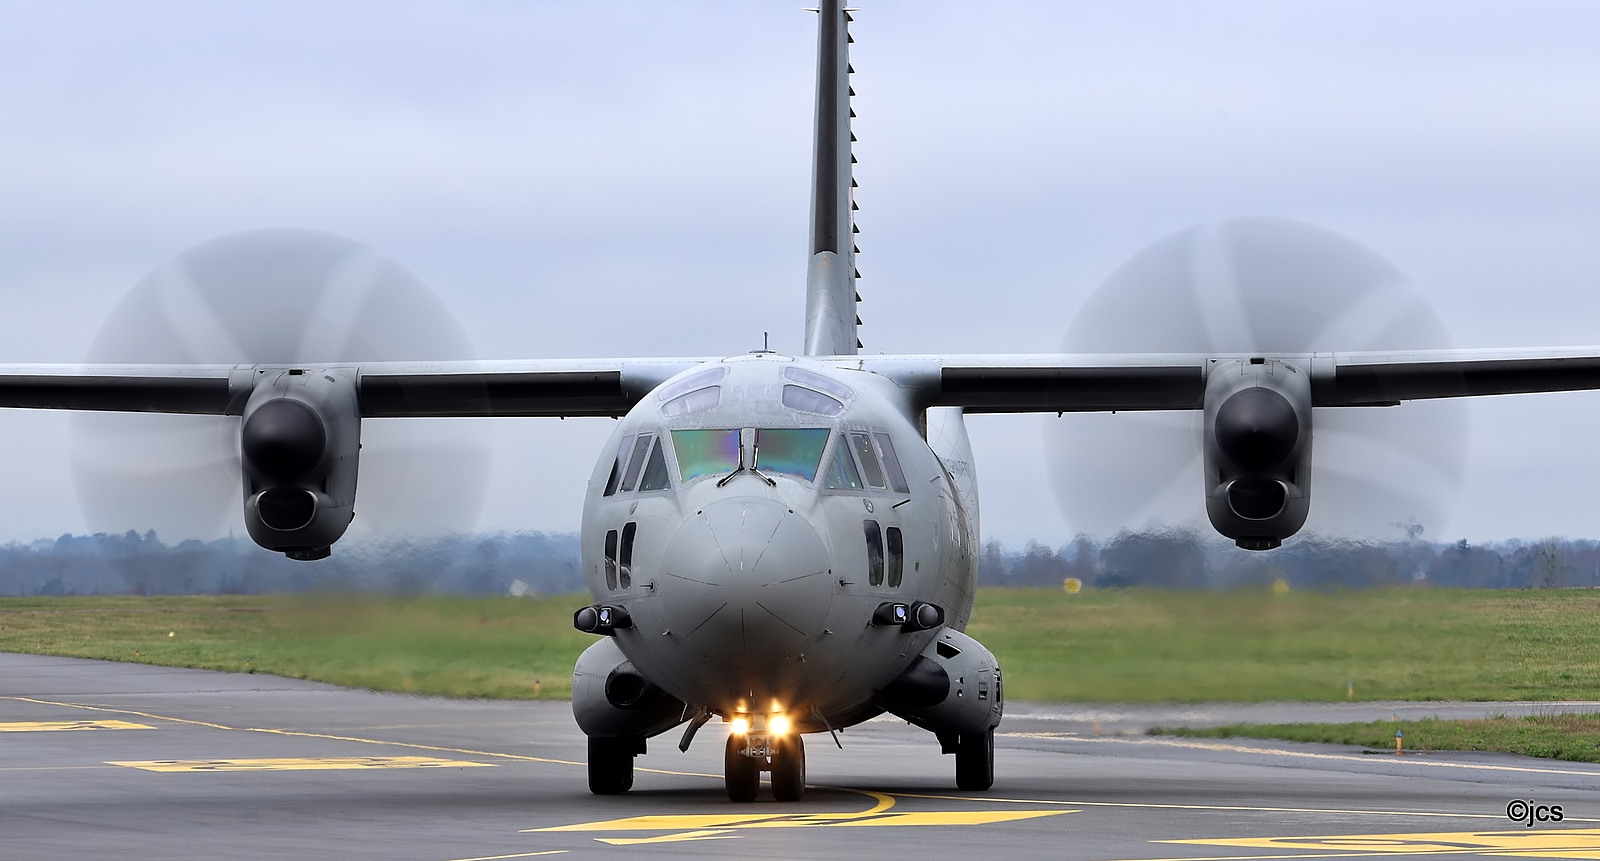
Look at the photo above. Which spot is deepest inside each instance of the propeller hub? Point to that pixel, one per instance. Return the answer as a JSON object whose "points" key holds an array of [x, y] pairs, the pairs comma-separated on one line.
{"points": [[283, 439], [1257, 428]]}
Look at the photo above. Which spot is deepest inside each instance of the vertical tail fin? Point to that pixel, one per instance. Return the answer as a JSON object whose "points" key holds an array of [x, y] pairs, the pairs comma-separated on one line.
{"points": [[831, 273]]}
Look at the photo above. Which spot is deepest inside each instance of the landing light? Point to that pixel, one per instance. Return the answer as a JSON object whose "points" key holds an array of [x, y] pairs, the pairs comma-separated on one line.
{"points": [[778, 725], [740, 725]]}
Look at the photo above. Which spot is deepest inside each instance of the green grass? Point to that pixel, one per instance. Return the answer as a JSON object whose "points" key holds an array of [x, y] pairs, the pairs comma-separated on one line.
{"points": [[1402, 644], [1129, 646], [460, 647], [1558, 736]]}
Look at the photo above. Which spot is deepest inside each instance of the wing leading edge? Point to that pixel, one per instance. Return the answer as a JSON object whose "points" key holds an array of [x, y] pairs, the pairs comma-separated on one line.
{"points": [[1177, 381], [1020, 383], [604, 387]]}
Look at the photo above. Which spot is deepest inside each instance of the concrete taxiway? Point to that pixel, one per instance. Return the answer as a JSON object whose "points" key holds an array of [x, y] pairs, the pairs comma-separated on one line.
{"points": [[101, 760]]}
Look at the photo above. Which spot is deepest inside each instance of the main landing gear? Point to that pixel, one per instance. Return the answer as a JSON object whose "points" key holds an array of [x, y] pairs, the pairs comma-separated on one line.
{"points": [[745, 757]]}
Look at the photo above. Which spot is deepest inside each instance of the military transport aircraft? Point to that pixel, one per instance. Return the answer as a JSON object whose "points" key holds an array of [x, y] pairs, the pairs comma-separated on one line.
{"points": [[788, 543]]}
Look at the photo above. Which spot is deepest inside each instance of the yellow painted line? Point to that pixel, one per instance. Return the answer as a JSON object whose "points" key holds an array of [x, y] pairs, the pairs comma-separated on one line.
{"points": [[116, 711], [713, 821], [1301, 754], [1073, 802], [1548, 853], [1534, 842], [335, 763], [668, 838], [519, 855], [59, 725]]}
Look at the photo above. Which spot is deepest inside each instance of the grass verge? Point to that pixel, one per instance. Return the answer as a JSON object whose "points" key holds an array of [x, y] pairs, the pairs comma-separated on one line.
{"points": [[1252, 646], [1113, 646], [1571, 737], [505, 648]]}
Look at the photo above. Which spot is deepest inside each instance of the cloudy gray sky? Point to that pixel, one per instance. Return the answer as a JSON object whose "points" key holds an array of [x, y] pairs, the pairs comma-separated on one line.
{"points": [[601, 179]]}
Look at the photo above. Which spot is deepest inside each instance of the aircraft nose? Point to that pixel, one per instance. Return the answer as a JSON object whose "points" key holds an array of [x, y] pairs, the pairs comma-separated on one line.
{"points": [[747, 580]]}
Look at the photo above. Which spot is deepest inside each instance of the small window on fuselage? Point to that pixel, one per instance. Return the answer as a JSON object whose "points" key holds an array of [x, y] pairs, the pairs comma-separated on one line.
{"points": [[625, 562], [611, 559], [874, 537], [895, 543]]}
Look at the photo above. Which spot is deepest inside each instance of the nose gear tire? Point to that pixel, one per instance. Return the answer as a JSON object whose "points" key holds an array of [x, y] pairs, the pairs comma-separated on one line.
{"points": [[742, 773], [789, 769], [611, 765], [975, 761]]}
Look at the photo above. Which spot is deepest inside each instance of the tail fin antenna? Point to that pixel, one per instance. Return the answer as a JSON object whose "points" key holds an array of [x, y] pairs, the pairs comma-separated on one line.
{"points": [[831, 274]]}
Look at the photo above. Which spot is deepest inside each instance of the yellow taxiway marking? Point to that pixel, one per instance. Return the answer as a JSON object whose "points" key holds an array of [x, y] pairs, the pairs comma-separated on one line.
{"points": [[719, 826], [1513, 843], [668, 838], [519, 855], [334, 763], [1150, 805], [58, 725]]}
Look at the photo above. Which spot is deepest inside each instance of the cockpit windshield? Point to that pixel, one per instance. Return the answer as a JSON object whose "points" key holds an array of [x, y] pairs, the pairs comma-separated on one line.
{"points": [[705, 452], [791, 451], [778, 451]]}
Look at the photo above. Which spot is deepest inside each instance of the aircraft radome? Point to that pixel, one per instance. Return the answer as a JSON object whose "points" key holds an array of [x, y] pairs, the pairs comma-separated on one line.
{"points": [[787, 541]]}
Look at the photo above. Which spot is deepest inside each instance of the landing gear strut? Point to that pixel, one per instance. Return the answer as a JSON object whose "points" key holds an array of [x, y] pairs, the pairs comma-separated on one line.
{"points": [[611, 764], [785, 757], [975, 761]]}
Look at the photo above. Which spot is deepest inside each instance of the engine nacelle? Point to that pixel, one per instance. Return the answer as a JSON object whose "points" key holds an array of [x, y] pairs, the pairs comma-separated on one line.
{"points": [[610, 699], [299, 440], [953, 688], [1257, 450]]}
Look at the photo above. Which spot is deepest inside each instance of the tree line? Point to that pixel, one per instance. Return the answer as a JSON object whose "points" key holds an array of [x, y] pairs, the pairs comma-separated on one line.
{"points": [[548, 563]]}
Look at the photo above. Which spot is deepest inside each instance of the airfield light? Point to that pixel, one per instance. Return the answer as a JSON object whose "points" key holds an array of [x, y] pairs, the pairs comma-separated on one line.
{"points": [[740, 725], [778, 724]]}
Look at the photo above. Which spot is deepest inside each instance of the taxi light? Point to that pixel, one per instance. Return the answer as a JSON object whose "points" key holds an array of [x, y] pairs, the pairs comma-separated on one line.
{"points": [[778, 725], [740, 726]]}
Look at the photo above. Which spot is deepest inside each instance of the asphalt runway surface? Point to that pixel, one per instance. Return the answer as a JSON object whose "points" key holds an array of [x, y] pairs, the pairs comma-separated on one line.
{"points": [[106, 760]]}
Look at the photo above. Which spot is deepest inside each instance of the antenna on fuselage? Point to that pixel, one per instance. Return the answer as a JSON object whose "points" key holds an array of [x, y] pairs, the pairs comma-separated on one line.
{"points": [[831, 296]]}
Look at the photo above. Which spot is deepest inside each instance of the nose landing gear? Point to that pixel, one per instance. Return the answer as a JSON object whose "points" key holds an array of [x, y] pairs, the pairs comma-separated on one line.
{"points": [[745, 757], [611, 764]]}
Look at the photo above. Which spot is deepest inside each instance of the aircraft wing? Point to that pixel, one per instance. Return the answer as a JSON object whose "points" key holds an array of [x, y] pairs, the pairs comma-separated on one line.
{"points": [[1043, 382], [1092, 382], [601, 387]]}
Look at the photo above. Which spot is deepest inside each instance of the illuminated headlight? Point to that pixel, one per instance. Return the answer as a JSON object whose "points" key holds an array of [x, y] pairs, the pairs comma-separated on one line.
{"points": [[778, 725], [740, 725]]}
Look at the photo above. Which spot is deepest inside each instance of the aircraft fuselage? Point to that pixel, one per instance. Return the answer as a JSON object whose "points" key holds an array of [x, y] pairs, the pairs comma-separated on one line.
{"points": [[753, 514]]}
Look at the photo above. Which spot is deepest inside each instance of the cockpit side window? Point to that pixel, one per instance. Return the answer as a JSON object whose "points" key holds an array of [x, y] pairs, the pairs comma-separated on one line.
{"points": [[842, 474], [862, 446], [655, 470], [616, 466], [891, 463], [641, 447]]}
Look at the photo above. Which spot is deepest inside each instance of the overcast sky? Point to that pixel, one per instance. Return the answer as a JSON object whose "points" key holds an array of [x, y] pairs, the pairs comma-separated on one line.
{"points": [[604, 179]]}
